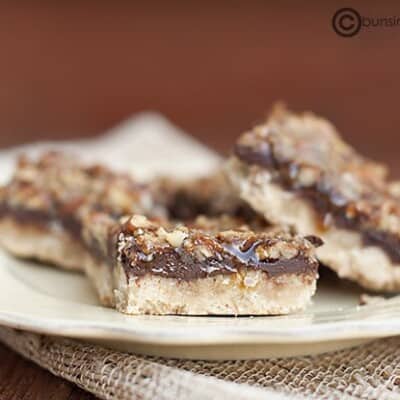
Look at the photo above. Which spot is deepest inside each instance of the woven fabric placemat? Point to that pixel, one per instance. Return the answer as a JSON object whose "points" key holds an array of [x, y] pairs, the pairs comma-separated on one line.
{"points": [[371, 371]]}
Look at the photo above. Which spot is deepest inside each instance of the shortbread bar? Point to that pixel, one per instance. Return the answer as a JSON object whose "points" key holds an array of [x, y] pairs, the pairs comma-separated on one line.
{"points": [[142, 266], [296, 169], [40, 209]]}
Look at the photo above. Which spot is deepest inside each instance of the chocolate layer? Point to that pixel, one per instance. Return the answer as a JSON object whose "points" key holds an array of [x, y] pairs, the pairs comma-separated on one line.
{"points": [[42, 219], [36, 218], [196, 254], [181, 266]]}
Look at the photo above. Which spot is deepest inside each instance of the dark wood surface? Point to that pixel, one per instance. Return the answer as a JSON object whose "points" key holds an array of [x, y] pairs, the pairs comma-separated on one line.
{"points": [[21, 379], [72, 69]]}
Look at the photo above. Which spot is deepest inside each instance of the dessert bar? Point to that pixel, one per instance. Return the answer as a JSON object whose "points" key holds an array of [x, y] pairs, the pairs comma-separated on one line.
{"points": [[41, 207], [142, 266], [297, 170]]}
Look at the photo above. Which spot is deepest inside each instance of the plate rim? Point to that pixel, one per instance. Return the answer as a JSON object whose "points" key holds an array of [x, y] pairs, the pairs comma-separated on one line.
{"points": [[76, 330], [361, 328]]}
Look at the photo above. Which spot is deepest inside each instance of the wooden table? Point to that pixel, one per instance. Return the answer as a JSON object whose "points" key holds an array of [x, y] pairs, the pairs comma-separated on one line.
{"points": [[70, 70], [21, 379]]}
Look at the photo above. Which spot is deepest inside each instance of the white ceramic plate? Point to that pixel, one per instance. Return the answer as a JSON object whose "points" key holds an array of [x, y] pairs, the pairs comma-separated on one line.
{"points": [[46, 300]]}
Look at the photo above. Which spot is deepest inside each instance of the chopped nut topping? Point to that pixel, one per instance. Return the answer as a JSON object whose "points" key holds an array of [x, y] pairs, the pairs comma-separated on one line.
{"points": [[57, 184]]}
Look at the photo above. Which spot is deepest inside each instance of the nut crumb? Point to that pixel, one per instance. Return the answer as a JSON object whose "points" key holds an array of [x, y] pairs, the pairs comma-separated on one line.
{"points": [[366, 299], [176, 237]]}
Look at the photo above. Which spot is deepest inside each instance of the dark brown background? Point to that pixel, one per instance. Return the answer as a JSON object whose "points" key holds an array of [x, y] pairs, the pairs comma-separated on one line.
{"points": [[72, 69]]}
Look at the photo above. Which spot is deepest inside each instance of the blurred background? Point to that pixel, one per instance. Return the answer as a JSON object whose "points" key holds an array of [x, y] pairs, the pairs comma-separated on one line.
{"points": [[74, 69]]}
